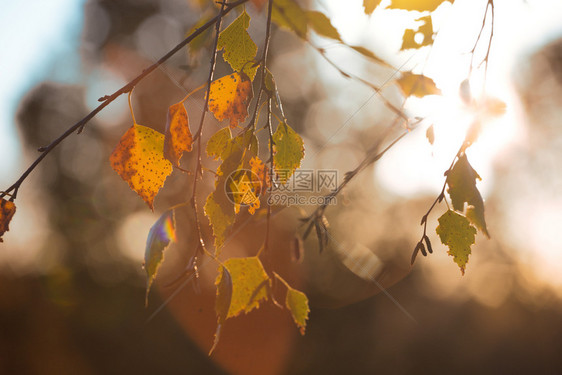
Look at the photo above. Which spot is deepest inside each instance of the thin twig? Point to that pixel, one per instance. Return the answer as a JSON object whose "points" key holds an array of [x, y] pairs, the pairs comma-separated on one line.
{"points": [[198, 169]]}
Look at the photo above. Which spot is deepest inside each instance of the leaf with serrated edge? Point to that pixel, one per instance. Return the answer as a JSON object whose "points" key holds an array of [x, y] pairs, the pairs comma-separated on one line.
{"points": [[220, 212], [250, 285], [417, 85], [139, 160], [7, 211], [239, 48], [370, 6], [288, 148], [229, 98], [419, 5], [218, 143], [177, 138], [455, 231], [159, 237], [409, 41], [462, 188], [297, 303], [322, 25]]}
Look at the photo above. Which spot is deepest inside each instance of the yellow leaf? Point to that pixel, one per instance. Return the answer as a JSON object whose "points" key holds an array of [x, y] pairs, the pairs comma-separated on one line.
{"points": [[177, 138], [159, 237], [7, 211], [239, 48], [288, 148], [455, 231], [417, 85], [370, 5], [426, 29], [139, 160], [229, 98], [322, 25], [250, 286], [419, 5], [297, 303]]}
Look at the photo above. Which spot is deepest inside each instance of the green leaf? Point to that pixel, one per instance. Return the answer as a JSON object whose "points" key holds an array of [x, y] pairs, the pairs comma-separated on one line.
{"points": [[250, 286], [288, 14], [218, 143], [370, 6], [456, 232], [159, 237], [239, 48], [462, 189], [417, 85], [322, 25], [201, 40], [220, 212], [408, 40], [369, 54], [288, 148], [419, 5], [297, 303], [224, 294]]}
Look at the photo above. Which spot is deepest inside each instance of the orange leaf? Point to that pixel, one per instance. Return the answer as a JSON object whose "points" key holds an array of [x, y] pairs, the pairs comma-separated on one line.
{"points": [[229, 98], [139, 160], [7, 211], [178, 137]]}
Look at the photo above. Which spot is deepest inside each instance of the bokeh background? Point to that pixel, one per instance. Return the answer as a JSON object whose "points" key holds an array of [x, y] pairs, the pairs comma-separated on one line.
{"points": [[71, 282]]}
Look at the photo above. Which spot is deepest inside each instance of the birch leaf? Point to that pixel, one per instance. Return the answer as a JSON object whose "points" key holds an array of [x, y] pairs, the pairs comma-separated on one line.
{"points": [[229, 98], [7, 211], [239, 48], [139, 160], [177, 138], [455, 231]]}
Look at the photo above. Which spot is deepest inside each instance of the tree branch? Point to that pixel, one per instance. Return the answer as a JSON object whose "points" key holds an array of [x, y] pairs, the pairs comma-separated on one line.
{"points": [[107, 99]]}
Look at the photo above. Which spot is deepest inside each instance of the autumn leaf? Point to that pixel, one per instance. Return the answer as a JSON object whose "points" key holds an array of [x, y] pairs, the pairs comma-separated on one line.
{"points": [[456, 232], [426, 29], [370, 5], [417, 85], [139, 160], [159, 237], [288, 148], [289, 14], [177, 137], [297, 303], [220, 212], [218, 143], [430, 134], [322, 25], [229, 98], [239, 48], [250, 286], [7, 211], [462, 189], [419, 5]]}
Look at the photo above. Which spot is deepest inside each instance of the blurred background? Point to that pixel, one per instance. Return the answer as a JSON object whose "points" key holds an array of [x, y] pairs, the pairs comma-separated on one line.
{"points": [[71, 281]]}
